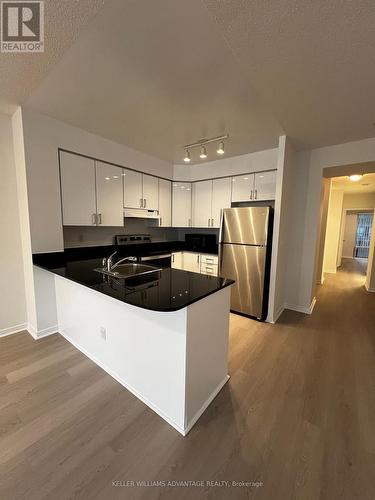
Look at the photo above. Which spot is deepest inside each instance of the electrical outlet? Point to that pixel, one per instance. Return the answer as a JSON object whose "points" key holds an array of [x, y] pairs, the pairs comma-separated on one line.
{"points": [[103, 332]]}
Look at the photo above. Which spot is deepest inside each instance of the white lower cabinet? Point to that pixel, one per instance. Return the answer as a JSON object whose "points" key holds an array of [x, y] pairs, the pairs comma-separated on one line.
{"points": [[195, 262], [181, 204]]}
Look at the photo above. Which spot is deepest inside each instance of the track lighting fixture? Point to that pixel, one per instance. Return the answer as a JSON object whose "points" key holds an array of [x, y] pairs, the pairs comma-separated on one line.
{"points": [[202, 145]]}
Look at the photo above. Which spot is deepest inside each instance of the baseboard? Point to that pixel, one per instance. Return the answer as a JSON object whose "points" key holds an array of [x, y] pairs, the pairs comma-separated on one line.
{"points": [[205, 405], [331, 271], [302, 309], [13, 329], [276, 316], [39, 334], [368, 289], [144, 400]]}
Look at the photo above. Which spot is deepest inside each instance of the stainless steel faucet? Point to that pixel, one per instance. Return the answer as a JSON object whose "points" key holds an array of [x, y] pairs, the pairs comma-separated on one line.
{"points": [[110, 266]]}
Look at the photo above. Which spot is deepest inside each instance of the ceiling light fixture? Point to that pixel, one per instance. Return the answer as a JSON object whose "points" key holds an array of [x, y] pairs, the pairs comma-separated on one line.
{"points": [[355, 177], [220, 149], [202, 145], [203, 154], [187, 158]]}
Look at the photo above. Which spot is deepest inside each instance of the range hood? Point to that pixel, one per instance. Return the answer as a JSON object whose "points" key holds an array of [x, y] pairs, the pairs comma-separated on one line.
{"points": [[141, 213]]}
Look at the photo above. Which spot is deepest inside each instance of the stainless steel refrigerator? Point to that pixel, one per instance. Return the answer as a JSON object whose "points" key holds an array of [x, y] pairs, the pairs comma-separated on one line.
{"points": [[244, 255]]}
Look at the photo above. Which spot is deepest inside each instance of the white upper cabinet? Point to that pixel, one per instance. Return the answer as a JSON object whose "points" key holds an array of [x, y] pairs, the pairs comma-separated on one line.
{"points": [[202, 204], [77, 190], [109, 193], [265, 185], [221, 198], [181, 204], [133, 189], [243, 187], [150, 192], [165, 203]]}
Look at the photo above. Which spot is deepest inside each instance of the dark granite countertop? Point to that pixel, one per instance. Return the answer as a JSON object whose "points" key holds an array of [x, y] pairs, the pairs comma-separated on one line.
{"points": [[165, 290]]}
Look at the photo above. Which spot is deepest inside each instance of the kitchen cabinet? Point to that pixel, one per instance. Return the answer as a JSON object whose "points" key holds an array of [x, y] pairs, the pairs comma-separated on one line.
{"points": [[140, 190], [202, 204], [109, 192], [221, 198], [165, 203], [176, 261], [254, 187], [265, 185], [150, 192], [181, 204], [195, 262], [242, 187], [133, 189], [209, 198], [78, 193]]}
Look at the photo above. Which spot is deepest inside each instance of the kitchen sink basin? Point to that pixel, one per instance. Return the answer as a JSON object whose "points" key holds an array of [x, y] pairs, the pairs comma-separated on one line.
{"points": [[128, 270]]}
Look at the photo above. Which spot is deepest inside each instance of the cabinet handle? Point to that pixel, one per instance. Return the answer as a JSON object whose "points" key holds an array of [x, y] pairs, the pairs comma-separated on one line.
{"points": [[256, 194], [209, 268], [93, 220], [141, 202], [251, 195], [209, 222], [212, 222], [198, 258], [99, 219], [172, 257], [161, 221], [144, 200]]}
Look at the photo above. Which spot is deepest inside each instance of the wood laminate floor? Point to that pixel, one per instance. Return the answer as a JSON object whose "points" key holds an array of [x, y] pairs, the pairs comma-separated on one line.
{"points": [[297, 416]]}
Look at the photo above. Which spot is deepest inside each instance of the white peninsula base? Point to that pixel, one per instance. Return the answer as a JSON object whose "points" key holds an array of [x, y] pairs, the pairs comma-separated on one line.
{"points": [[175, 362]]}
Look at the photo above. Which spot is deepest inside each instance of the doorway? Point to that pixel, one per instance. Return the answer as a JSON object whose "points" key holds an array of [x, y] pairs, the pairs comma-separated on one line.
{"points": [[357, 234]]}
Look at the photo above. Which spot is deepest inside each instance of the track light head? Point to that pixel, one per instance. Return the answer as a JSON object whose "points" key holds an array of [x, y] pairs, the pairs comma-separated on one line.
{"points": [[187, 158], [220, 149], [203, 154]]}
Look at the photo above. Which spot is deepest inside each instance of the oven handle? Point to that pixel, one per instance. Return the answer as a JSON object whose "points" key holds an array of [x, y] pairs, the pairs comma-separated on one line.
{"points": [[156, 257]]}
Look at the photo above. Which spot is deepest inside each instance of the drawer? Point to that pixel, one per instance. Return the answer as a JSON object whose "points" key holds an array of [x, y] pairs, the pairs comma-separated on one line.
{"points": [[211, 260], [209, 269]]}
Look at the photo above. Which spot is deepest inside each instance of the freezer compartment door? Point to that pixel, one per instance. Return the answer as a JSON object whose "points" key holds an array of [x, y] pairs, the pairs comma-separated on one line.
{"points": [[246, 265], [248, 225]]}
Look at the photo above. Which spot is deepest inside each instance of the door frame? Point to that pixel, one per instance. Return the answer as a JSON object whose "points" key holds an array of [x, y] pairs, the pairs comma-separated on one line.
{"points": [[343, 224]]}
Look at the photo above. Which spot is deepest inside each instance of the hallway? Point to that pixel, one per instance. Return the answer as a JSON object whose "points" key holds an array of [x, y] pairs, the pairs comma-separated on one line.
{"points": [[297, 416]]}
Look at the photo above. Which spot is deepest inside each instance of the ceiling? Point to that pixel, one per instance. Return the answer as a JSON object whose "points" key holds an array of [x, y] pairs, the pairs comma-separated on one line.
{"points": [[158, 75], [365, 185]]}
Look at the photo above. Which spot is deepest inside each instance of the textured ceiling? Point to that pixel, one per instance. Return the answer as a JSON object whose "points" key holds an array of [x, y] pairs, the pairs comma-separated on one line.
{"points": [[156, 75], [311, 61], [21, 73]]}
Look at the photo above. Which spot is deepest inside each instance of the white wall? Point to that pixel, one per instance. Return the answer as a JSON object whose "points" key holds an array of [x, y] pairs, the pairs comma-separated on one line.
{"points": [[236, 165], [333, 231], [359, 200], [13, 296], [312, 163], [282, 211], [42, 138], [370, 277]]}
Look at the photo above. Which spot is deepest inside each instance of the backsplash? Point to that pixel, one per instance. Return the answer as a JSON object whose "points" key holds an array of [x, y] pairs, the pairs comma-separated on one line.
{"points": [[84, 236]]}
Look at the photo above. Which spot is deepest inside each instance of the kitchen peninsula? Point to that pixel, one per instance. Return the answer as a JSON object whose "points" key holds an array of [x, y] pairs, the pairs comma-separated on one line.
{"points": [[162, 335]]}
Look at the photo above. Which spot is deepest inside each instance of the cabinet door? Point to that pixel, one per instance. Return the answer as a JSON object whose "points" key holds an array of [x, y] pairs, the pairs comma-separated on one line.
{"points": [[265, 185], [77, 190], [202, 203], [191, 262], [176, 261], [243, 187], [109, 193], [150, 192], [133, 193], [181, 204], [221, 198], [165, 203]]}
